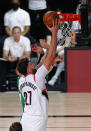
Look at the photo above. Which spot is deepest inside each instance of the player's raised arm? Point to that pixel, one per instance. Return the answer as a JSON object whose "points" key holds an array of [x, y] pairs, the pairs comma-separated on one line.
{"points": [[52, 50]]}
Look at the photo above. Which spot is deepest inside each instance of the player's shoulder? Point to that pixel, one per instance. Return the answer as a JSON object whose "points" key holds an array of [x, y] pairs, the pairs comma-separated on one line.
{"points": [[9, 39], [41, 70], [24, 38], [8, 13], [23, 11], [19, 79], [41, 67], [27, 77]]}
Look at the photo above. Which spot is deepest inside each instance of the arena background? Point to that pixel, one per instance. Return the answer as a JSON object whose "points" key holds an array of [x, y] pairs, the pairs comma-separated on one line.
{"points": [[68, 111], [66, 7]]}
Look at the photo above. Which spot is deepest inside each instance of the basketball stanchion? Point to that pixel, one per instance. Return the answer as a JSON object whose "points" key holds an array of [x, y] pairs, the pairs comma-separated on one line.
{"points": [[66, 32]]}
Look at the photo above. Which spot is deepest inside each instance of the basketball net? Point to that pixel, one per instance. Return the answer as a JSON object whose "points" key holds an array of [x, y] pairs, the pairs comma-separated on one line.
{"points": [[66, 35]]}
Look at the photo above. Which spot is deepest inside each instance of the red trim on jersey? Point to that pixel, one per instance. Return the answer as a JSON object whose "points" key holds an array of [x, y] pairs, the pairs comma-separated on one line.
{"points": [[44, 90], [34, 78]]}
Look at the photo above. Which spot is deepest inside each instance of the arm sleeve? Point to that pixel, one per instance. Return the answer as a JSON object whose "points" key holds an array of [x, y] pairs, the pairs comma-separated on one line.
{"points": [[5, 20], [27, 45], [6, 45], [40, 75], [27, 20]]}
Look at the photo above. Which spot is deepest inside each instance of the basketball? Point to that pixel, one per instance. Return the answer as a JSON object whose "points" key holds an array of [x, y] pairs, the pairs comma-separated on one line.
{"points": [[49, 17]]}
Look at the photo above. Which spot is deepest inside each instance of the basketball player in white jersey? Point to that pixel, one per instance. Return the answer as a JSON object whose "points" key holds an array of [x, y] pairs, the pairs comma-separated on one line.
{"points": [[32, 90]]}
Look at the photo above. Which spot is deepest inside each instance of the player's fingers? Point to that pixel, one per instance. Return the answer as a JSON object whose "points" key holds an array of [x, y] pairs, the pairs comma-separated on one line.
{"points": [[49, 28], [33, 46], [55, 65], [55, 22], [59, 60], [33, 49]]}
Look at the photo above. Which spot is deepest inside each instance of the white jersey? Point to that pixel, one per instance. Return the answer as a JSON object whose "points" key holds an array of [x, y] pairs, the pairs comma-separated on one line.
{"points": [[32, 90], [17, 49], [37, 4], [19, 18]]}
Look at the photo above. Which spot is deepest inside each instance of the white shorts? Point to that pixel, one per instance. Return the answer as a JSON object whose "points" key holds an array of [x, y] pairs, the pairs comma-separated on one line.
{"points": [[33, 123]]}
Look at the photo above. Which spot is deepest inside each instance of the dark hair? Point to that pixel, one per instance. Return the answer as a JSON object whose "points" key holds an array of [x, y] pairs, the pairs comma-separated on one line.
{"points": [[16, 27], [16, 126], [22, 66]]}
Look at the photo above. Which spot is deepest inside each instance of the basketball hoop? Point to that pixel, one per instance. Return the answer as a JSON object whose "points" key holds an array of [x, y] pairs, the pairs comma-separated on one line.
{"points": [[66, 34], [70, 17]]}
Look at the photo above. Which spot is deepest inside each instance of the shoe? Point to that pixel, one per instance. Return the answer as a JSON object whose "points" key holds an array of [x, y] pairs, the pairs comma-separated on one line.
{"points": [[52, 81]]}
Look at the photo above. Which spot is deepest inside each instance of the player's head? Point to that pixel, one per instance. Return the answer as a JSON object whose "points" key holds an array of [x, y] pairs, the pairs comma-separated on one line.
{"points": [[16, 126], [16, 33], [15, 4], [24, 67], [15, 1]]}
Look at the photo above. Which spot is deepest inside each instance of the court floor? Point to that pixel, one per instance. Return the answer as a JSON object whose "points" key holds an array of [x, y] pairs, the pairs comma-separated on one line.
{"points": [[67, 111]]}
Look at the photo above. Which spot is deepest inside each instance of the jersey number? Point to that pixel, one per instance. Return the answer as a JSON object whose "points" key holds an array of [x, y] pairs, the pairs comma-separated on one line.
{"points": [[27, 96]]}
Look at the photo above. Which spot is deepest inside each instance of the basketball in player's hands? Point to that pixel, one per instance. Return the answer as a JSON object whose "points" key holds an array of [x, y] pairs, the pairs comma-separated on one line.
{"points": [[49, 17]]}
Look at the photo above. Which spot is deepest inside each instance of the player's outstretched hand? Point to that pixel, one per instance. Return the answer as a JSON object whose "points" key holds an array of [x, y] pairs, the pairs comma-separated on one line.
{"points": [[55, 26], [37, 49]]}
